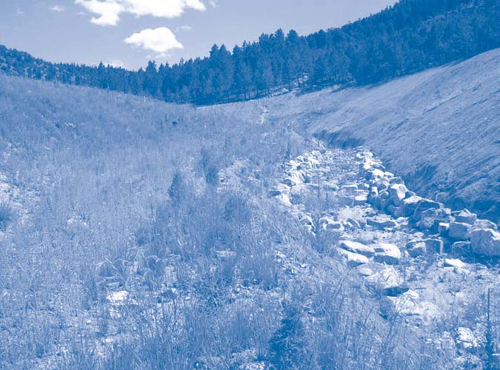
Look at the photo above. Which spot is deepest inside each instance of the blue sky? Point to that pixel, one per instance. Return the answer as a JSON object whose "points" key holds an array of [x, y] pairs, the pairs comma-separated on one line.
{"points": [[130, 32]]}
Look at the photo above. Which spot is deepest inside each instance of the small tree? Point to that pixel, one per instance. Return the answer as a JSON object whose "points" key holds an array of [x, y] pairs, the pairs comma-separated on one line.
{"points": [[287, 345], [177, 189]]}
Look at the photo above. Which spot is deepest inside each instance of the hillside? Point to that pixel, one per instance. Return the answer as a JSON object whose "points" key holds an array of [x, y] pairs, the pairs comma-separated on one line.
{"points": [[410, 36], [437, 129], [138, 234]]}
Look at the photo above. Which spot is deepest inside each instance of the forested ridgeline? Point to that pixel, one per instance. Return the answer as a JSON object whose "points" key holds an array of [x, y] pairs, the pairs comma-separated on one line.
{"points": [[408, 37]]}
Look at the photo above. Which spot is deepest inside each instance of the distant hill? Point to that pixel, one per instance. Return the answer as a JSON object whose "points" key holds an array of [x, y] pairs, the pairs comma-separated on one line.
{"points": [[408, 37]]}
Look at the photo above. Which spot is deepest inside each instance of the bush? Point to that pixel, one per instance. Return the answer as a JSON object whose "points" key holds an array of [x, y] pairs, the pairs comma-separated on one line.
{"points": [[6, 215]]}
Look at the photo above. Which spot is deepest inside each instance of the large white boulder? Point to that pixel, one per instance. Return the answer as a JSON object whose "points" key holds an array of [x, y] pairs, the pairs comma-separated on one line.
{"points": [[353, 259], [356, 247], [485, 242], [453, 262], [387, 253], [377, 174], [397, 193]]}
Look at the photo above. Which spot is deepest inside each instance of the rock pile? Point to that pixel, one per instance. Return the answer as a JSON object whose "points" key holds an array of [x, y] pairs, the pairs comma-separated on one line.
{"points": [[460, 232]]}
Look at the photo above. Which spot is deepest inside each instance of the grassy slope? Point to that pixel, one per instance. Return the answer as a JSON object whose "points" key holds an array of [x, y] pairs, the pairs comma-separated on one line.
{"points": [[88, 178], [438, 129]]}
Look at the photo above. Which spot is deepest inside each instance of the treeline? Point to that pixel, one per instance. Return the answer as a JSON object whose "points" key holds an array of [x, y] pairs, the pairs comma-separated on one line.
{"points": [[408, 37]]}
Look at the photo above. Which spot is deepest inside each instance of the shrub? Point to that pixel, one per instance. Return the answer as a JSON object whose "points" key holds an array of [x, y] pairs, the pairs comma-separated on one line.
{"points": [[6, 215]]}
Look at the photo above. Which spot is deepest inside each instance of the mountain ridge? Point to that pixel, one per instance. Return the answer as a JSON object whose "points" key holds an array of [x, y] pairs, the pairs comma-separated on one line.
{"points": [[410, 36]]}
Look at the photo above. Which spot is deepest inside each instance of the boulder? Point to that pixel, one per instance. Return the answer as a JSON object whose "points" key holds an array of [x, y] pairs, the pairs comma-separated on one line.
{"points": [[385, 204], [365, 271], [382, 223], [382, 200], [373, 194], [485, 242], [484, 224], [384, 194], [356, 247], [444, 229], [467, 339], [397, 193], [353, 259], [396, 212], [459, 230], [430, 219], [409, 205], [416, 248], [387, 253], [465, 216], [434, 245], [352, 223], [392, 209], [388, 281], [453, 262], [376, 174], [360, 199], [461, 248], [382, 184], [426, 223], [424, 205]]}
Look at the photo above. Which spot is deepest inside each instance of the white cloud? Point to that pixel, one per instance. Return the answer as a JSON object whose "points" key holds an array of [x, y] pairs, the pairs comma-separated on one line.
{"points": [[108, 11], [159, 40], [19, 11], [57, 8], [116, 63], [183, 28]]}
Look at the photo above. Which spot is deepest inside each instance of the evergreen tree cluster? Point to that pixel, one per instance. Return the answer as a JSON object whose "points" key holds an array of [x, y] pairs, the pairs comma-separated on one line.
{"points": [[406, 38]]}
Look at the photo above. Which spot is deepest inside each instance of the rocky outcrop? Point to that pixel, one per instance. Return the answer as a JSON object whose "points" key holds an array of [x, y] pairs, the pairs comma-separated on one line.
{"points": [[457, 229]]}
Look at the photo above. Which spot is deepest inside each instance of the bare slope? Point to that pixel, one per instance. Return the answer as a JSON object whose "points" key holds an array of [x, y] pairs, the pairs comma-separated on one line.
{"points": [[439, 129]]}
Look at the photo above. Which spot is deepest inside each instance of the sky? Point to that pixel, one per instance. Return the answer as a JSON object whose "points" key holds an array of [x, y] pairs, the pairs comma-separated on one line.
{"points": [[128, 33]]}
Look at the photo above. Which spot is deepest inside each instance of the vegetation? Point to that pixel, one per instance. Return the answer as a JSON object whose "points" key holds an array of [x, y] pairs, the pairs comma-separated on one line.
{"points": [[410, 36], [130, 255]]}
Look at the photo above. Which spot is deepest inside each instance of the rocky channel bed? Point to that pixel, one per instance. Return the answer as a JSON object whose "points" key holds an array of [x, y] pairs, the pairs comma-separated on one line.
{"points": [[430, 266]]}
